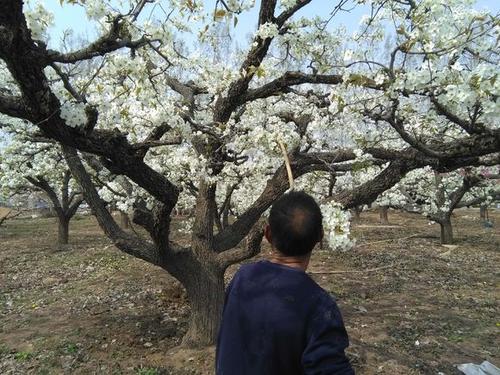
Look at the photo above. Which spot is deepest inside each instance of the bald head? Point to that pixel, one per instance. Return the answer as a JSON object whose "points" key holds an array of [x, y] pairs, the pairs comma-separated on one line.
{"points": [[298, 220], [295, 223]]}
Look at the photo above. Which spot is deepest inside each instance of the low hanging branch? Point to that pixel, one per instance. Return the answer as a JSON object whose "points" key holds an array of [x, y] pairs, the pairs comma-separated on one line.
{"points": [[8, 216]]}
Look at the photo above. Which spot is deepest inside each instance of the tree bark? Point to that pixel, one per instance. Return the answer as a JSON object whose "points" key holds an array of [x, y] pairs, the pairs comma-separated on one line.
{"points": [[384, 219], [225, 217], [63, 230], [446, 231], [357, 212], [124, 220], [205, 291], [483, 212]]}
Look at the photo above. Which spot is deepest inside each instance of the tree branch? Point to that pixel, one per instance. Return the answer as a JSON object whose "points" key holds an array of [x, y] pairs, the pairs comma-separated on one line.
{"points": [[398, 125], [275, 187], [468, 183], [252, 248], [13, 106], [124, 241], [115, 39], [369, 191], [24, 61], [74, 207], [266, 12], [42, 184], [288, 13], [441, 109], [294, 78], [225, 106]]}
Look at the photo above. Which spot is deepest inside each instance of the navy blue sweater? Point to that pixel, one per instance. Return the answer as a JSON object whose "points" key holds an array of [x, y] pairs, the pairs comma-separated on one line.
{"points": [[278, 321]]}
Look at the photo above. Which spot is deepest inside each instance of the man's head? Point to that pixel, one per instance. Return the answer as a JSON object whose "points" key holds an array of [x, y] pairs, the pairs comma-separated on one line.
{"points": [[295, 224]]}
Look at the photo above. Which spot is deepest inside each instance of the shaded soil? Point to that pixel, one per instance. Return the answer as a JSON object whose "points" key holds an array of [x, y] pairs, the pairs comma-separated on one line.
{"points": [[411, 306]]}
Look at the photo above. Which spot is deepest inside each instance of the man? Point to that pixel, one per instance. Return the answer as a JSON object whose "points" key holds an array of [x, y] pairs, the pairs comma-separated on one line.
{"points": [[277, 320]]}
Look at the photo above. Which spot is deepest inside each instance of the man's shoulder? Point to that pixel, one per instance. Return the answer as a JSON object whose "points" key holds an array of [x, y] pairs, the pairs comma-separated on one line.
{"points": [[247, 268], [246, 273]]}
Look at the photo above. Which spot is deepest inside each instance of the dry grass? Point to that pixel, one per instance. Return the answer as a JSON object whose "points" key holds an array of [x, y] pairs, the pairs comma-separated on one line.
{"points": [[92, 309]]}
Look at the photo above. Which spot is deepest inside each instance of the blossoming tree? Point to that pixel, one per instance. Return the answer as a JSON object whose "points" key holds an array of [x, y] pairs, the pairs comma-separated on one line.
{"points": [[184, 129], [27, 166], [437, 195]]}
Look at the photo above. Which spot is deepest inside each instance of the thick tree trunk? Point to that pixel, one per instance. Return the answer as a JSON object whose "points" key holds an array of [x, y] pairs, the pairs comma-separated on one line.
{"points": [[446, 231], [483, 212], [124, 220], [63, 230], [225, 218], [384, 219], [357, 212], [205, 292]]}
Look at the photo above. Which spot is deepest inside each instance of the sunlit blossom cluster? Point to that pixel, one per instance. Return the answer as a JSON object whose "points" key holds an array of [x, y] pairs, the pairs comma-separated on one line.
{"points": [[134, 93]]}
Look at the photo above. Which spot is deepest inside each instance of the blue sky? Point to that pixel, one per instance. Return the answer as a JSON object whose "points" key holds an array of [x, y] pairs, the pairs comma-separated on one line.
{"points": [[72, 17]]}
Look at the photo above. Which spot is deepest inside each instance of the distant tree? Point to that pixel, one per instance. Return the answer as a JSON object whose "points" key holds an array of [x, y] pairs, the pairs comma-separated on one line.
{"points": [[437, 195], [29, 167]]}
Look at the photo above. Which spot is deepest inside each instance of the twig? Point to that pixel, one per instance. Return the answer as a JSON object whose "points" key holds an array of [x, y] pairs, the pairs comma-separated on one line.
{"points": [[355, 271], [389, 239], [8, 216]]}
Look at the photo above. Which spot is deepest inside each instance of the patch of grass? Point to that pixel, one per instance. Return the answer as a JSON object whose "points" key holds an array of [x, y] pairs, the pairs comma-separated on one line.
{"points": [[4, 349], [23, 356], [71, 348], [455, 337], [147, 371]]}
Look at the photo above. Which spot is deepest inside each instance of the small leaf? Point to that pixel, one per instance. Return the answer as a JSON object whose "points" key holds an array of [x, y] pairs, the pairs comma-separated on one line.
{"points": [[220, 13], [191, 5], [401, 30]]}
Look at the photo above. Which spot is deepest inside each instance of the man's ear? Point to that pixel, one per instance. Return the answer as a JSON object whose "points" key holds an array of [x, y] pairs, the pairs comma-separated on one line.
{"points": [[267, 233]]}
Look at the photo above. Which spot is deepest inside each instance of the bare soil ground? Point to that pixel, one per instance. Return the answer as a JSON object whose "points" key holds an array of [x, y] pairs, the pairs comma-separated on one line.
{"points": [[411, 306]]}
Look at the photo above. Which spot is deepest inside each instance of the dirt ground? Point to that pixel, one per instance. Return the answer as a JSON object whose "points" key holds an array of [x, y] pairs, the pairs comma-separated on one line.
{"points": [[411, 306]]}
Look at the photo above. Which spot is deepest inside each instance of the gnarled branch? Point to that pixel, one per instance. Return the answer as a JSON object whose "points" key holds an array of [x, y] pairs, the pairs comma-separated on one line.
{"points": [[252, 248], [113, 40], [14, 106]]}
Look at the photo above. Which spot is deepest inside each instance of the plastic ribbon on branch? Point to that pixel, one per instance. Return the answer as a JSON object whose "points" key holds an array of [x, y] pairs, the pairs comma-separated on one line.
{"points": [[287, 164]]}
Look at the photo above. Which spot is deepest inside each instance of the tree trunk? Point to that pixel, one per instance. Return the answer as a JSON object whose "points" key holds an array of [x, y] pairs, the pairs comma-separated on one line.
{"points": [[383, 215], [205, 291], [483, 212], [225, 218], [357, 212], [446, 231], [124, 220], [63, 230]]}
